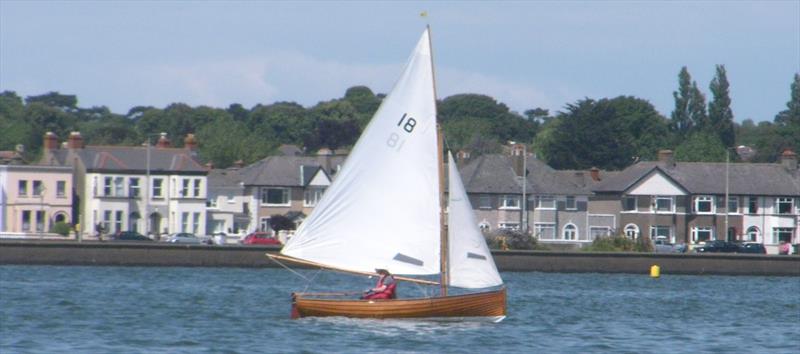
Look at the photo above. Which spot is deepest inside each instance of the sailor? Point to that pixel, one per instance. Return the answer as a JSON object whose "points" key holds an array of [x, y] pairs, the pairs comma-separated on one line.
{"points": [[384, 288]]}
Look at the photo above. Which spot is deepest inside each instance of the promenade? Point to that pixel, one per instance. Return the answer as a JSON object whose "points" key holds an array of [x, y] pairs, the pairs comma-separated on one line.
{"points": [[45, 252]]}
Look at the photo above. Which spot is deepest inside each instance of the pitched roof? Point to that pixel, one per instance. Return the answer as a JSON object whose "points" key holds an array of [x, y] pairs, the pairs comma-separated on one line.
{"points": [[224, 178], [131, 159], [494, 173], [709, 178], [288, 171]]}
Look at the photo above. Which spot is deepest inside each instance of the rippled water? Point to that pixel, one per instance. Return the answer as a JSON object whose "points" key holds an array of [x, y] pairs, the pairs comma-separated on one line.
{"points": [[46, 309]]}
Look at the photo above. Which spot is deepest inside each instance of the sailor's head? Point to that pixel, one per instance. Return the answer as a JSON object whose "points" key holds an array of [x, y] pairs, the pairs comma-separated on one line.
{"points": [[382, 271]]}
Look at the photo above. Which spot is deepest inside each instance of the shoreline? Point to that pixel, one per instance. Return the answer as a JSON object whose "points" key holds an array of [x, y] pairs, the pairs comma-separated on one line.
{"points": [[113, 253]]}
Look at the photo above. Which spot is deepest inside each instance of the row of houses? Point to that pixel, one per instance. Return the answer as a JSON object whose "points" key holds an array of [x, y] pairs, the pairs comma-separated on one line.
{"points": [[160, 189]]}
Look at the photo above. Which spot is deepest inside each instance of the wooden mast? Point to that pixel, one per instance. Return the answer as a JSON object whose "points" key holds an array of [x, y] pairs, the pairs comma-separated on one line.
{"points": [[443, 246]]}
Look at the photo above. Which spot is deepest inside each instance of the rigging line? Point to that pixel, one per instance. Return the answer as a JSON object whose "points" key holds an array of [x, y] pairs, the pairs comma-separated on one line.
{"points": [[308, 284], [289, 269]]}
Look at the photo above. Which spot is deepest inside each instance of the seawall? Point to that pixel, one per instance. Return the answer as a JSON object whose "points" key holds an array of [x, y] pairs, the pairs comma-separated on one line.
{"points": [[29, 252]]}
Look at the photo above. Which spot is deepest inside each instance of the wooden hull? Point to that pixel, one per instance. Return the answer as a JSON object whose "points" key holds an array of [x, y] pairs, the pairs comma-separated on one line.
{"points": [[487, 304]]}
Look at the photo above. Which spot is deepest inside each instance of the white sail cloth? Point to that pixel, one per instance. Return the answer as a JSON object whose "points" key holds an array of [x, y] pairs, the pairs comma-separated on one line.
{"points": [[382, 210], [471, 263]]}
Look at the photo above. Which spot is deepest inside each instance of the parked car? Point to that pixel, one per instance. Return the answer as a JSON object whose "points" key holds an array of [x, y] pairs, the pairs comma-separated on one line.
{"points": [[260, 238], [662, 245], [183, 237], [130, 236], [717, 246], [752, 247]]}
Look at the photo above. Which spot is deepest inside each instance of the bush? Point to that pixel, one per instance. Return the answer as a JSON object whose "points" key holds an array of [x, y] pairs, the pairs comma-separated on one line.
{"points": [[514, 240], [61, 228], [620, 243]]}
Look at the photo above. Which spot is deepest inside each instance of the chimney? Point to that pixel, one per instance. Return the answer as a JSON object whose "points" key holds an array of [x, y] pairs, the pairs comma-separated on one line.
{"points": [[517, 157], [595, 173], [238, 164], [210, 165], [190, 142], [789, 160], [163, 141], [75, 140], [666, 158], [50, 141]]}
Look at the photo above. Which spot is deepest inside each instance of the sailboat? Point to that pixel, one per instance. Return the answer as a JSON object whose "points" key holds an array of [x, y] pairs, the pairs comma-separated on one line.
{"points": [[386, 210]]}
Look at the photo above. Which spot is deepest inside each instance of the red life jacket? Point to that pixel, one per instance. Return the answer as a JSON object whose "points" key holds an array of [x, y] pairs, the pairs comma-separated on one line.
{"points": [[388, 293]]}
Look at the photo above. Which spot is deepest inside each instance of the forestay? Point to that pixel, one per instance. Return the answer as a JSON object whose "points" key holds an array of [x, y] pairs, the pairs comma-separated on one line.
{"points": [[382, 210], [471, 263]]}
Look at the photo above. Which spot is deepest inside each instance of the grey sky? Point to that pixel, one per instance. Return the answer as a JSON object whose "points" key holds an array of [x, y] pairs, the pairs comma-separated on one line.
{"points": [[524, 54]]}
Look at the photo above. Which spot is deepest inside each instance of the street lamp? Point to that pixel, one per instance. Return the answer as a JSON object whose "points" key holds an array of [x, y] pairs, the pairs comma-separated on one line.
{"points": [[41, 212]]}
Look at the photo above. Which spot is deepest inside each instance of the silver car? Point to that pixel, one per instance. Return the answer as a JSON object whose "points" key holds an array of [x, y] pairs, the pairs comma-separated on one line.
{"points": [[183, 237]]}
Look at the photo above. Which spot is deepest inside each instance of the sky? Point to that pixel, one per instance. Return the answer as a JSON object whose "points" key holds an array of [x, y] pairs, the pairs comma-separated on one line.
{"points": [[123, 54]]}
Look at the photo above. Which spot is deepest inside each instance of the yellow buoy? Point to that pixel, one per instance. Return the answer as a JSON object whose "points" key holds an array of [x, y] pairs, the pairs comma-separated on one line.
{"points": [[655, 271]]}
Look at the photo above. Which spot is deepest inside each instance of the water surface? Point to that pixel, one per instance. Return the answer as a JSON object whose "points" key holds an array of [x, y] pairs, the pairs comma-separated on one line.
{"points": [[46, 309]]}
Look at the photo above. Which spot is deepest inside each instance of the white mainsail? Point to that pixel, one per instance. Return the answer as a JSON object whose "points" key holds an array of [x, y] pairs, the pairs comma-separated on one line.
{"points": [[471, 263], [382, 210]]}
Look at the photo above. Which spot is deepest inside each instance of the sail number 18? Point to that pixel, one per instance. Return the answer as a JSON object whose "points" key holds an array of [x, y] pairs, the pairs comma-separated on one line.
{"points": [[408, 124]]}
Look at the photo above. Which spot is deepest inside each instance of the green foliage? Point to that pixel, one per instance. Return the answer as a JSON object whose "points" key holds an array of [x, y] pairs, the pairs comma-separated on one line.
{"points": [[697, 109], [280, 222], [720, 115], [225, 140], [609, 134], [61, 228], [701, 147], [681, 121], [467, 116], [619, 243], [513, 240]]}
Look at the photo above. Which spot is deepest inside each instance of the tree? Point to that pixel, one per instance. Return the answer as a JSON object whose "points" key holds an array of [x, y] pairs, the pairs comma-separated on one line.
{"points": [[609, 133], [364, 102], [280, 222], [681, 122], [791, 115], [55, 99], [701, 147], [697, 109], [226, 140], [720, 115], [503, 125]]}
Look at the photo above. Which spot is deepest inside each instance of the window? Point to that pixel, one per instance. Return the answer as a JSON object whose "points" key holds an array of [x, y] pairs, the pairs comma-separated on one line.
{"points": [[197, 187], [133, 188], [509, 225], [158, 189], [185, 188], [185, 222], [752, 234], [61, 189], [704, 204], [508, 201], [702, 234], [119, 186], [107, 220], [752, 205], [40, 221], [484, 201], [312, 196], [107, 186], [629, 203], [598, 231], [784, 205], [570, 203], [733, 205], [275, 196], [196, 223], [663, 204], [545, 202], [658, 231], [632, 231], [118, 221], [22, 188], [570, 232], [782, 234], [544, 231], [26, 220], [38, 188], [263, 225]]}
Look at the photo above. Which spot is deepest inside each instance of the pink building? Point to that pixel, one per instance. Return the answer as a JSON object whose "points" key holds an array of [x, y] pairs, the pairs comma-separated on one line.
{"points": [[34, 198]]}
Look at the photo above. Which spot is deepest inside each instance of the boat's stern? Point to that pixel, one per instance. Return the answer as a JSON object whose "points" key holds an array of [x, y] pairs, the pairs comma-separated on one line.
{"points": [[295, 314]]}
